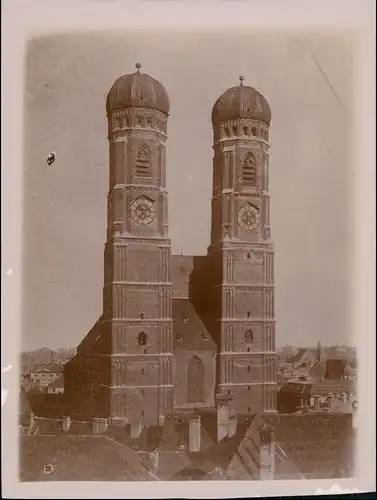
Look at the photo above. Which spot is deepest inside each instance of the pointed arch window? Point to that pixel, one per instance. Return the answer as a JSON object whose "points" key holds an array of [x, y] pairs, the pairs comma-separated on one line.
{"points": [[249, 169], [195, 380], [249, 337], [143, 166]]}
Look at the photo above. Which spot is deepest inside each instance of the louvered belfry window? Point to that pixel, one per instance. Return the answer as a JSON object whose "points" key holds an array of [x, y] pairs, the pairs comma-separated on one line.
{"points": [[249, 170], [195, 380], [143, 167]]}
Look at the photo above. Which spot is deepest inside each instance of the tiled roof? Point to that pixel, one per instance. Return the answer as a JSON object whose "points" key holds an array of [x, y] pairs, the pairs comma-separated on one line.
{"points": [[73, 458], [320, 444], [335, 369], [188, 329], [295, 358], [170, 463]]}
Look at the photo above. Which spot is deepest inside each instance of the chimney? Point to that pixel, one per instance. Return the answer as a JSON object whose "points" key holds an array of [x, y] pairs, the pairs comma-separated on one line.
{"points": [[66, 423], [136, 428], [232, 426], [153, 460], [194, 433], [355, 407], [99, 425], [317, 402], [267, 453], [223, 403], [31, 420], [331, 401]]}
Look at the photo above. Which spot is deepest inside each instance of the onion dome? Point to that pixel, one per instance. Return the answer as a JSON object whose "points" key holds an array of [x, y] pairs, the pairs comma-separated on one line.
{"points": [[137, 90], [241, 102]]}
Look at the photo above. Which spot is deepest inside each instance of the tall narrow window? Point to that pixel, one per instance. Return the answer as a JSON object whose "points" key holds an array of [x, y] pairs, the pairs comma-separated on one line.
{"points": [[249, 337], [249, 170], [143, 167], [195, 380], [142, 338]]}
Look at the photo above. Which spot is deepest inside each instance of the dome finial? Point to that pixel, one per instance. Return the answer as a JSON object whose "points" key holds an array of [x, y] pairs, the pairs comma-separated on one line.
{"points": [[138, 66], [241, 80]]}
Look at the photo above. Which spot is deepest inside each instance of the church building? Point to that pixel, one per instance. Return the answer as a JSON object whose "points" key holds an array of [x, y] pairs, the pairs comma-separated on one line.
{"points": [[181, 332]]}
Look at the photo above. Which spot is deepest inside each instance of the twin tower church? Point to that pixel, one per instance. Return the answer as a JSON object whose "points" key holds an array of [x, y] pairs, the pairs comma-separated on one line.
{"points": [[181, 332]]}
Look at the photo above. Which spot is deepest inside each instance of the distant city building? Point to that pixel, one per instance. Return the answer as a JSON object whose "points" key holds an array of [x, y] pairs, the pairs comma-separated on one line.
{"points": [[44, 376]]}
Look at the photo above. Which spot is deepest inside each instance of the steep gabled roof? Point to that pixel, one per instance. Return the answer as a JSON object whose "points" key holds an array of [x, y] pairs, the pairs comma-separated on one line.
{"points": [[295, 358], [188, 329]]}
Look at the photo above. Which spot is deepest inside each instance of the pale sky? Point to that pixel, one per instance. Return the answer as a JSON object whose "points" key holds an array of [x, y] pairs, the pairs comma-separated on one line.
{"points": [[311, 168]]}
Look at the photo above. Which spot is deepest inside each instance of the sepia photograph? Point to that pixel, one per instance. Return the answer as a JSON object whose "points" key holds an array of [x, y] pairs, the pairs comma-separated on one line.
{"points": [[188, 227]]}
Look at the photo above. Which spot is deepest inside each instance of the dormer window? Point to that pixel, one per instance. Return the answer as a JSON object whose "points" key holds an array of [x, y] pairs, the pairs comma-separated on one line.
{"points": [[185, 319], [179, 339], [142, 316], [204, 337], [48, 469]]}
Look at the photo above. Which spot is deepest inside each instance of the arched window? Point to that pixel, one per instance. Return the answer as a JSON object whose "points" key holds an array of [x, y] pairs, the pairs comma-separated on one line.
{"points": [[235, 131], [226, 132], [142, 338], [249, 169], [254, 131], [143, 168], [245, 131], [249, 337], [195, 380]]}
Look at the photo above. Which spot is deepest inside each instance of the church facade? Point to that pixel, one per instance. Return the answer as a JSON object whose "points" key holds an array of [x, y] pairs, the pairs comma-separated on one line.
{"points": [[181, 332]]}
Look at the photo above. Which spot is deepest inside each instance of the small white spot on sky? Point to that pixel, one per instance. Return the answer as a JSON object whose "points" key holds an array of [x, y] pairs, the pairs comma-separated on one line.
{"points": [[10, 271]]}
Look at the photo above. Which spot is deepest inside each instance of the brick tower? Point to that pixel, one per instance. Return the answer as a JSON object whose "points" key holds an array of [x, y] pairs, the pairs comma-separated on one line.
{"points": [[241, 251], [137, 288]]}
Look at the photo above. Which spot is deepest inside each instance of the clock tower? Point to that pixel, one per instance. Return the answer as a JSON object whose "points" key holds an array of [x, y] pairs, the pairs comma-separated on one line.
{"points": [[241, 251], [137, 288]]}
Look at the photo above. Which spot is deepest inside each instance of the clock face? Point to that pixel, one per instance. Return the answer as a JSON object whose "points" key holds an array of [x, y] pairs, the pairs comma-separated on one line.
{"points": [[248, 217], [143, 211]]}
